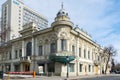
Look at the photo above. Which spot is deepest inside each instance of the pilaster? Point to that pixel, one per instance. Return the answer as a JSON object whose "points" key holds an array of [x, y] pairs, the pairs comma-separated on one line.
{"points": [[12, 67], [58, 45], [23, 48]]}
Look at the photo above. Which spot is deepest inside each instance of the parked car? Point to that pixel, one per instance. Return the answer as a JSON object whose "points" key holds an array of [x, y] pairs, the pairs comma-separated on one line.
{"points": [[117, 71]]}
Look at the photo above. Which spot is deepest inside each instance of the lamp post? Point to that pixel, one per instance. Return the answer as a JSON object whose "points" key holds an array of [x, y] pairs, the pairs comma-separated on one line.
{"points": [[67, 58], [3, 64]]}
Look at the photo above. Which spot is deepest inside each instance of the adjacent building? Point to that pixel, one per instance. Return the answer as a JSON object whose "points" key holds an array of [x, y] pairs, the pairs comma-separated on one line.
{"points": [[15, 14], [60, 49]]}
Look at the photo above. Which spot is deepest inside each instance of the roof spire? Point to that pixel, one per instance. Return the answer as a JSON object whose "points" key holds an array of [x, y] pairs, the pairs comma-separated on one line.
{"points": [[62, 5]]}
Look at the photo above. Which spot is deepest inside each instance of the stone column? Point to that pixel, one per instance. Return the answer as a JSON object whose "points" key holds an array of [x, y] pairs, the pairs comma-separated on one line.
{"points": [[12, 67], [21, 67], [36, 47], [77, 47], [23, 48], [13, 52], [68, 45], [46, 67], [32, 66], [33, 45], [77, 54], [58, 45]]}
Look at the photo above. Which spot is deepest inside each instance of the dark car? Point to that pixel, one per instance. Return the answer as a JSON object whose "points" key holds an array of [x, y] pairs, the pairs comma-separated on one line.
{"points": [[117, 72]]}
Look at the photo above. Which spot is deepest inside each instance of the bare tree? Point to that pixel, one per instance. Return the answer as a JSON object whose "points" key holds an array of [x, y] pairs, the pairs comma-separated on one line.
{"points": [[113, 66], [117, 67], [108, 53]]}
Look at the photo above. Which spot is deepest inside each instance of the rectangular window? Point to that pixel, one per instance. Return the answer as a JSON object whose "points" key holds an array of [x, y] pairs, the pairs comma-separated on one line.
{"points": [[53, 47], [84, 53], [79, 52], [73, 48], [89, 68], [88, 54], [40, 50], [10, 55], [16, 53], [71, 67], [63, 44], [80, 67], [20, 53], [98, 58]]}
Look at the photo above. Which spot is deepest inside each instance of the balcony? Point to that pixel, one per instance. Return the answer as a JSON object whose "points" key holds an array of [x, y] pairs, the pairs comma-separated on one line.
{"points": [[96, 62], [45, 57], [26, 59]]}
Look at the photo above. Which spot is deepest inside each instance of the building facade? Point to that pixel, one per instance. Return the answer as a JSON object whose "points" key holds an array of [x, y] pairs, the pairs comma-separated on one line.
{"points": [[15, 14], [49, 48]]}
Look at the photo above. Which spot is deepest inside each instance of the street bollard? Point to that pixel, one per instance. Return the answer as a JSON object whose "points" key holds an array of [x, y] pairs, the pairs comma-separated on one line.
{"points": [[8, 76], [34, 74]]}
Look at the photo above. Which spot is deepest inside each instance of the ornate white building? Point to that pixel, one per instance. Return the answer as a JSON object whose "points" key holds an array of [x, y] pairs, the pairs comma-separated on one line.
{"points": [[52, 49]]}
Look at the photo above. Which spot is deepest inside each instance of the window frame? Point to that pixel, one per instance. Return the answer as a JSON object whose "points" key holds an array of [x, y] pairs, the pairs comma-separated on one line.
{"points": [[40, 50], [73, 49], [71, 67], [80, 52], [80, 67], [53, 47], [84, 53], [63, 44]]}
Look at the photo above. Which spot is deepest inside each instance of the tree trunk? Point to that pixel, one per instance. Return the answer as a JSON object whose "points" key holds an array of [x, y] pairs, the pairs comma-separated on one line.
{"points": [[106, 67]]}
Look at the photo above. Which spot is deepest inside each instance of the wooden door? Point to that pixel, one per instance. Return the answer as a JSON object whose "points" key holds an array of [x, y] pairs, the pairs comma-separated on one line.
{"points": [[96, 70]]}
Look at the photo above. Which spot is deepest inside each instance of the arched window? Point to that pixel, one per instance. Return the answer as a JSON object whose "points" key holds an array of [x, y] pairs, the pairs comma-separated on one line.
{"points": [[29, 49], [53, 47], [63, 44]]}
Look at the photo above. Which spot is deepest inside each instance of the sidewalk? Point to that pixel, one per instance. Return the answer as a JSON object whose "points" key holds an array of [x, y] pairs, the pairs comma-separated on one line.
{"points": [[30, 77]]}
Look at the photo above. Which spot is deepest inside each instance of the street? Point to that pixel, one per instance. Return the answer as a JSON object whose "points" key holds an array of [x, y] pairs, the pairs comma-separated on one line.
{"points": [[89, 77], [109, 77]]}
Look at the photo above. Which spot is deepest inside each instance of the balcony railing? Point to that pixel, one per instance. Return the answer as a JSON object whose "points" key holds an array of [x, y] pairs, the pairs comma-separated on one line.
{"points": [[63, 53], [25, 59]]}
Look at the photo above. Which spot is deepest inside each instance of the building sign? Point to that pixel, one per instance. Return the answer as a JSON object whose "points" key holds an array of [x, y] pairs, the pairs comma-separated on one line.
{"points": [[16, 2], [40, 68]]}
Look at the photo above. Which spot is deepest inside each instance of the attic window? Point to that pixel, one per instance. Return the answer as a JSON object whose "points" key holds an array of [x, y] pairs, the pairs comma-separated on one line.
{"points": [[67, 14], [59, 13]]}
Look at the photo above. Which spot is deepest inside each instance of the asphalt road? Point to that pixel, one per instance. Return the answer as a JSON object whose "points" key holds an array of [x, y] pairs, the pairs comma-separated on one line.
{"points": [[110, 77], [91, 77]]}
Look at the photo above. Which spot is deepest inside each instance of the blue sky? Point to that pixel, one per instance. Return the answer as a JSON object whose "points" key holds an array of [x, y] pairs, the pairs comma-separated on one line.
{"points": [[100, 18]]}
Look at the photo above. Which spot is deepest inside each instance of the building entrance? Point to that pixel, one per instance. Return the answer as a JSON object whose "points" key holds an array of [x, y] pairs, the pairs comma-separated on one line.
{"points": [[96, 70], [27, 67]]}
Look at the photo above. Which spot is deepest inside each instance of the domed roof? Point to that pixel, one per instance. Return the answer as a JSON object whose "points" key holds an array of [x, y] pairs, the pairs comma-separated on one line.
{"points": [[62, 18], [62, 12]]}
